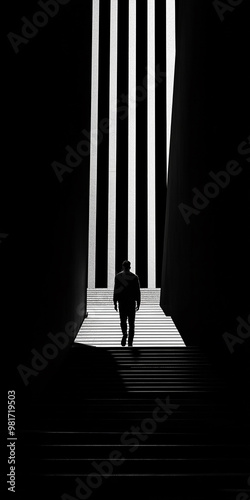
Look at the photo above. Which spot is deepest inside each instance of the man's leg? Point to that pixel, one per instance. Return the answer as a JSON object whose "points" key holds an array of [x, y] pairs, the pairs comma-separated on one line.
{"points": [[131, 320], [123, 318]]}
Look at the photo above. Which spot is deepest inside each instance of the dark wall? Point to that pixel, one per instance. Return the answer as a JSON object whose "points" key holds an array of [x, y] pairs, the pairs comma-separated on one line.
{"points": [[45, 215], [206, 252]]}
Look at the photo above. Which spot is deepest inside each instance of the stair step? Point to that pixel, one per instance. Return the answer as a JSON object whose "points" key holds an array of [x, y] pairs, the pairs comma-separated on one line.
{"points": [[199, 453], [102, 326]]}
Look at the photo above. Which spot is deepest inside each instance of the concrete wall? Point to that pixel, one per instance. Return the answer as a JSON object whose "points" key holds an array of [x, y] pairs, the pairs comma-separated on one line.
{"points": [[45, 209], [206, 251]]}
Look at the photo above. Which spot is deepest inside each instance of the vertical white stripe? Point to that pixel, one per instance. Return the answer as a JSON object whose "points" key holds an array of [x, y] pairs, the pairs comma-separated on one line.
{"points": [[170, 23], [112, 141], [93, 144], [151, 144], [132, 136]]}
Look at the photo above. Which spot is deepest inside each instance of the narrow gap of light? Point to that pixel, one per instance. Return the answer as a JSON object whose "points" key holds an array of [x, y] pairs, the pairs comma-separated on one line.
{"points": [[151, 144], [112, 141], [132, 136], [93, 144], [171, 48]]}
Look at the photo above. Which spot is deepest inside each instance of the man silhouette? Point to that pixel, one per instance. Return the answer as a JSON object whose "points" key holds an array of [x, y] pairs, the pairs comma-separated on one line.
{"points": [[127, 294]]}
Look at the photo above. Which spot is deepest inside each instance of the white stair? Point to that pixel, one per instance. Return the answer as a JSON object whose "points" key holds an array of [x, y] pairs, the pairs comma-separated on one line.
{"points": [[102, 326]]}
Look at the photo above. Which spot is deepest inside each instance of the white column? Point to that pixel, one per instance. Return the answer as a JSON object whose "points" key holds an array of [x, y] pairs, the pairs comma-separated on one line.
{"points": [[112, 141], [151, 144], [93, 144], [170, 23], [132, 136]]}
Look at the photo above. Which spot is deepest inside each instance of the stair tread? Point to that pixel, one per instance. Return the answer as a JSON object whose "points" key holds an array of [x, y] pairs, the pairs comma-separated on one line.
{"points": [[102, 326]]}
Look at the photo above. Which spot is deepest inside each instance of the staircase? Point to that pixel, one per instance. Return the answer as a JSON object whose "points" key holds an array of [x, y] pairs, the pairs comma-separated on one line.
{"points": [[102, 326], [99, 402], [164, 370]]}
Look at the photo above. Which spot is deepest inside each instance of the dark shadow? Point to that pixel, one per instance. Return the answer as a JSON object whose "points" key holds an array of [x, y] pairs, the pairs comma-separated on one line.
{"points": [[76, 397], [86, 372], [135, 352]]}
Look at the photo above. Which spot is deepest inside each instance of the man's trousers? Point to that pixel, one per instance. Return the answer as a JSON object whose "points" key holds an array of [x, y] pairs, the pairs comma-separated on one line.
{"points": [[127, 311]]}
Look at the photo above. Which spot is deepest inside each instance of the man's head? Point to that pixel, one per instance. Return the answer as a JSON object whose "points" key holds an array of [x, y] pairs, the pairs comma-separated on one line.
{"points": [[126, 265]]}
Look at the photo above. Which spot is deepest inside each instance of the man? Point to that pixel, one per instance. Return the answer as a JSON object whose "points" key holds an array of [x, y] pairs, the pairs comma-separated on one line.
{"points": [[127, 294]]}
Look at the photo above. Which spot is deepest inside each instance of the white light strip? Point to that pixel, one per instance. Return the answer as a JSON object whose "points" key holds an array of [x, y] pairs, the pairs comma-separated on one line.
{"points": [[151, 144], [112, 141], [93, 144], [170, 23], [132, 136]]}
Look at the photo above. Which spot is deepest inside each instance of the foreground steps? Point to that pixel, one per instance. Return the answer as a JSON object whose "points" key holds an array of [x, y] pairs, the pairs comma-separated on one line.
{"points": [[95, 408], [164, 369], [102, 326]]}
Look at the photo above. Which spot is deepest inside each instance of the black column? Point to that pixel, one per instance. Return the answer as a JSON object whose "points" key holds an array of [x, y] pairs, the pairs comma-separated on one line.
{"points": [[160, 134], [141, 146], [122, 137], [103, 149]]}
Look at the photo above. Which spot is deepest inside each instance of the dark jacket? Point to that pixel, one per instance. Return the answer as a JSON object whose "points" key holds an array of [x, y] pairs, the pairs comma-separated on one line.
{"points": [[127, 288]]}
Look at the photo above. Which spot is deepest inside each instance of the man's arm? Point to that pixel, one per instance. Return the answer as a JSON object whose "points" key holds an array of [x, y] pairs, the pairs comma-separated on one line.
{"points": [[114, 295], [138, 294]]}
